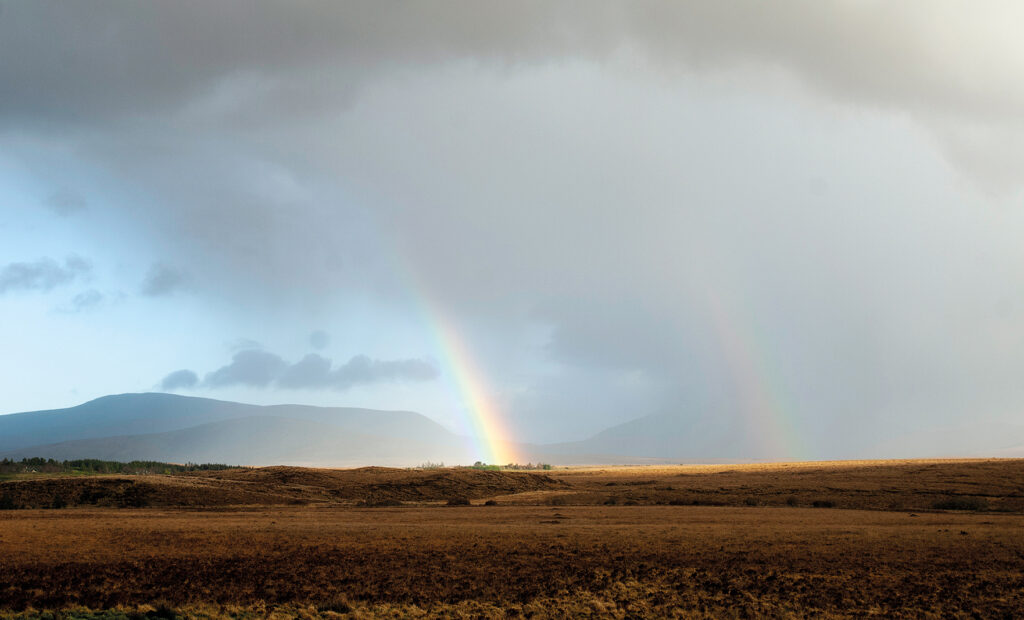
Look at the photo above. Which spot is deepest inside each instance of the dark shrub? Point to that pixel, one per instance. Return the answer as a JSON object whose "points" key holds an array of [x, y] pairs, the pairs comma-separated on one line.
{"points": [[58, 502], [379, 503], [706, 501], [962, 503], [791, 500], [750, 501], [6, 503], [823, 503], [337, 605], [490, 502], [458, 501], [163, 610], [133, 496]]}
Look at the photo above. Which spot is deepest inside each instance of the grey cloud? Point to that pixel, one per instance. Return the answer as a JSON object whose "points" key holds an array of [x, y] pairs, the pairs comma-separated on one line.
{"points": [[162, 280], [86, 300], [628, 185], [312, 371], [962, 64], [179, 379], [267, 39], [65, 202], [319, 339], [43, 274], [315, 372], [252, 367], [363, 370]]}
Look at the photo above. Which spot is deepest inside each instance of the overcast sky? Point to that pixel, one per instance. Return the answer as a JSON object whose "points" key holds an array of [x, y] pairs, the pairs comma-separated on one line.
{"points": [[622, 208]]}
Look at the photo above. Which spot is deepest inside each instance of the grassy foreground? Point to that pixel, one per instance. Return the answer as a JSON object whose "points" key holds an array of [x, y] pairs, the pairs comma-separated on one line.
{"points": [[551, 546]]}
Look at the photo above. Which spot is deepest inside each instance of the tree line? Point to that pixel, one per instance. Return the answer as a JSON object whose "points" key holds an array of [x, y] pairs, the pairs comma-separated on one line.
{"points": [[97, 466]]}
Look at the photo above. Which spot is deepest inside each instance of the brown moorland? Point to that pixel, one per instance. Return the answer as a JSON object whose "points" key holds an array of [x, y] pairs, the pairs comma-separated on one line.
{"points": [[552, 548], [272, 486]]}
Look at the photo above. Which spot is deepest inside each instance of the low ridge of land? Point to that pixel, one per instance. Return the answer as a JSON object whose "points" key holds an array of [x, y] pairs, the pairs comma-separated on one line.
{"points": [[980, 484], [272, 486]]}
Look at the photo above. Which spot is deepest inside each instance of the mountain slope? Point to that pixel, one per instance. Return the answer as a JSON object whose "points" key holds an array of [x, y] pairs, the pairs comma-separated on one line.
{"points": [[253, 441], [663, 437], [142, 414], [728, 437], [122, 414], [182, 429]]}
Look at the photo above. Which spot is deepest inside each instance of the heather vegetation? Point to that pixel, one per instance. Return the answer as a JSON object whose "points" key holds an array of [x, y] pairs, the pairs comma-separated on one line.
{"points": [[512, 561], [833, 540]]}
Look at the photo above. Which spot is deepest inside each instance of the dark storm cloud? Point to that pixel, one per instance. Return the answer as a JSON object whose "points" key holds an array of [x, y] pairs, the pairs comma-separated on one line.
{"points": [[70, 70], [245, 100], [275, 54], [179, 379], [669, 200], [162, 280], [315, 372], [43, 274]]}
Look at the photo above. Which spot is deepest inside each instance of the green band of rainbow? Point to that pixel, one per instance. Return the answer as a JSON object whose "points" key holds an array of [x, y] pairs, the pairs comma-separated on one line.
{"points": [[489, 434]]}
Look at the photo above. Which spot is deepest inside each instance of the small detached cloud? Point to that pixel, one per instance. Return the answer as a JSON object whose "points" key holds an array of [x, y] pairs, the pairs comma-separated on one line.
{"points": [[258, 368], [252, 367], [162, 280], [319, 340], [65, 202], [179, 379], [315, 372], [43, 274], [312, 371], [361, 369], [84, 301]]}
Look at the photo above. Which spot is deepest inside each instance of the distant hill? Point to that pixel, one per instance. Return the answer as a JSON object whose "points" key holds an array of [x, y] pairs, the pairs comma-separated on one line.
{"points": [[724, 438], [179, 428], [665, 438], [167, 427]]}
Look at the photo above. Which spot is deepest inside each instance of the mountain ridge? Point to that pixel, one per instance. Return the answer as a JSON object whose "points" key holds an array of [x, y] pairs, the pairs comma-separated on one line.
{"points": [[127, 425], [176, 428]]}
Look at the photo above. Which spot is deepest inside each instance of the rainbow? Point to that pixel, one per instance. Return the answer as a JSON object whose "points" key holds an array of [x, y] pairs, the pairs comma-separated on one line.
{"points": [[761, 396], [488, 434], [488, 437]]}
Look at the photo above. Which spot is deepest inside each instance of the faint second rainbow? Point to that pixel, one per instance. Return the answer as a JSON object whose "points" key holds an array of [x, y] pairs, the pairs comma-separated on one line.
{"points": [[769, 418]]}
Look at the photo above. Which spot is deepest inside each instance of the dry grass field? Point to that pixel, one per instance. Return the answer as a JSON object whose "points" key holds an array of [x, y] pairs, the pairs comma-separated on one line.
{"points": [[687, 541]]}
